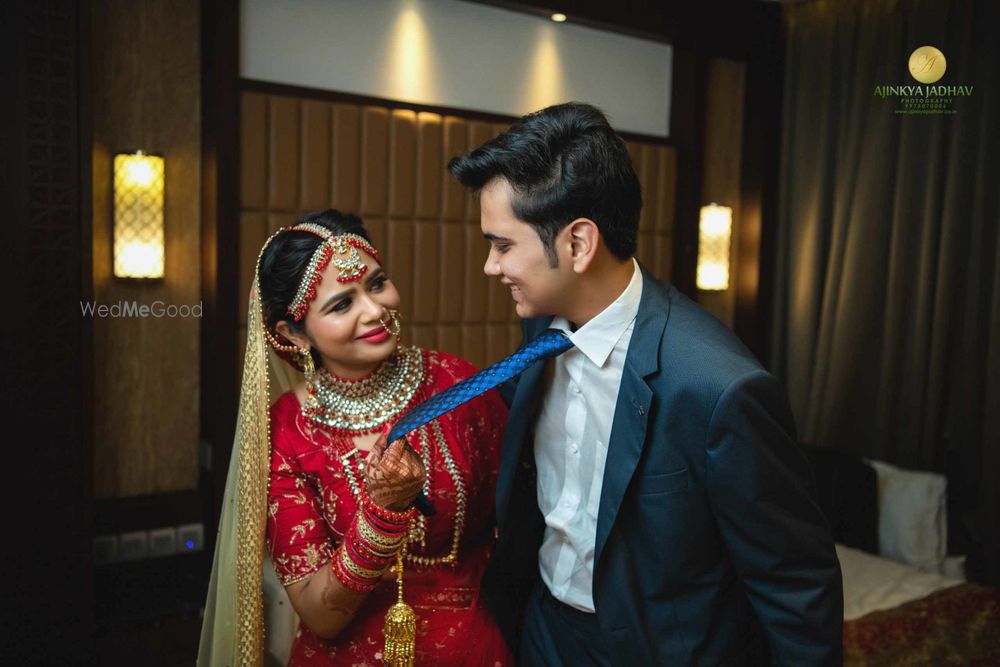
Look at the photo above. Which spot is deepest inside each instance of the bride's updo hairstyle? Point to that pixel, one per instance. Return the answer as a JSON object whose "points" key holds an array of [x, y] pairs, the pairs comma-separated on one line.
{"points": [[284, 262]]}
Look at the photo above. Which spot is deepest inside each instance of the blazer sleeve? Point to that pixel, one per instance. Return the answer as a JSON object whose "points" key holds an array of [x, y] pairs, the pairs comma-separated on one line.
{"points": [[762, 494]]}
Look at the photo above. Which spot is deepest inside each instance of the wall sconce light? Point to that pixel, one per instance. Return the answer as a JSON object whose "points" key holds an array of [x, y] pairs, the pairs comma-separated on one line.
{"points": [[138, 215], [714, 235]]}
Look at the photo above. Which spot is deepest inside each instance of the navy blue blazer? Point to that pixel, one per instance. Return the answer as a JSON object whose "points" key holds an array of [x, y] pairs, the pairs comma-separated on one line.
{"points": [[710, 543]]}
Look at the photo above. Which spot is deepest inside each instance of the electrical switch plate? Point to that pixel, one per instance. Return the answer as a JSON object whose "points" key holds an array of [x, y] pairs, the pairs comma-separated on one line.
{"points": [[133, 545], [162, 542]]}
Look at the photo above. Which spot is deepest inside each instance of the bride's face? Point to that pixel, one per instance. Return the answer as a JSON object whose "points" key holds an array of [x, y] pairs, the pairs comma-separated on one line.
{"points": [[342, 322]]}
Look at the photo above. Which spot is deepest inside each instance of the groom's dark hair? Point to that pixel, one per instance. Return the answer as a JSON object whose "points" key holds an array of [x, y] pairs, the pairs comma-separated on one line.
{"points": [[563, 162]]}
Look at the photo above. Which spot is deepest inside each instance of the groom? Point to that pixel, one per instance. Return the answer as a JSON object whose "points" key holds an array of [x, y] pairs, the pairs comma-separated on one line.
{"points": [[653, 508]]}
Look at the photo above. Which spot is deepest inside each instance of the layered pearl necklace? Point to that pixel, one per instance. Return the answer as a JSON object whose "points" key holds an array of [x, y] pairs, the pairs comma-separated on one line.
{"points": [[360, 407]]}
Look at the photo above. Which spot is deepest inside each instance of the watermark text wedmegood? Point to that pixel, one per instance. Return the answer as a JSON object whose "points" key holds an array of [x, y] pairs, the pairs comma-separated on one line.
{"points": [[136, 309]]}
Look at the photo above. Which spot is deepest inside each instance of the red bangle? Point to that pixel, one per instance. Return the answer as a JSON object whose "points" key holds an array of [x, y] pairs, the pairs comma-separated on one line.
{"points": [[387, 515], [344, 578], [367, 557], [372, 552], [361, 555]]}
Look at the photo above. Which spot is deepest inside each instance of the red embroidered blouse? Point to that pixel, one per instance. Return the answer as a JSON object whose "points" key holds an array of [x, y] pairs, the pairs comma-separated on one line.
{"points": [[311, 505]]}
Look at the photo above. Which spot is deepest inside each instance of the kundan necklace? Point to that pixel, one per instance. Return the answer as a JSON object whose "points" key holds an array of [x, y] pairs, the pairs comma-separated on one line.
{"points": [[360, 407]]}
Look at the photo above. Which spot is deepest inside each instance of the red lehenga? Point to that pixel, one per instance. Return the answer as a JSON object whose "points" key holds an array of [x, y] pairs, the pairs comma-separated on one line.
{"points": [[312, 501]]}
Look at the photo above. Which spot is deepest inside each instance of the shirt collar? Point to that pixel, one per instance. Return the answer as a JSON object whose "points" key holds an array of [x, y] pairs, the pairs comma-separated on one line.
{"points": [[598, 337]]}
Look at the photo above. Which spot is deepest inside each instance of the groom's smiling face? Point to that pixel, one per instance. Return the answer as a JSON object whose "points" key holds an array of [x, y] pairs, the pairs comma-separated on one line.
{"points": [[518, 257]]}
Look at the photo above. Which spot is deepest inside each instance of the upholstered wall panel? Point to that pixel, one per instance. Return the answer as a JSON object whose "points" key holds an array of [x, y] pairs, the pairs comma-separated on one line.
{"points": [[346, 157], [374, 160], [388, 165], [316, 160], [284, 127]]}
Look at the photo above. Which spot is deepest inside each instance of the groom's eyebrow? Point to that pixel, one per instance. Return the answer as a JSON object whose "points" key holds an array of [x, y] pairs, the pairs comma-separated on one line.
{"points": [[494, 237]]}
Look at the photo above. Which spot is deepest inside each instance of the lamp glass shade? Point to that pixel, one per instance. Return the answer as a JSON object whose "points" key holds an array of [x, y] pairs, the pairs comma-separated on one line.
{"points": [[138, 215], [714, 237]]}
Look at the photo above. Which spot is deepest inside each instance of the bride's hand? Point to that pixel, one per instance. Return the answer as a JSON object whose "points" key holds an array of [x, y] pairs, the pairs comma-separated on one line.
{"points": [[394, 475]]}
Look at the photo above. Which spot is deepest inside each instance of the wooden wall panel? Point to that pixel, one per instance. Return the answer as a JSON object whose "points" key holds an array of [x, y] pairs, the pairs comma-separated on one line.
{"points": [[722, 166], [146, 384], [645, 248], [388, 165], [666, 186], [648, 172]]}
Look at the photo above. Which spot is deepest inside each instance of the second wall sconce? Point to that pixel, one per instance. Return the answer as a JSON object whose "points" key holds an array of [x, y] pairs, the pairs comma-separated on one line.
{"points": [[715, 230]]}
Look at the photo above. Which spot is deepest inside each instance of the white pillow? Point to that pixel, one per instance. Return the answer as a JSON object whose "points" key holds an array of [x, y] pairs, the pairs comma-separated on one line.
{"points": [[872, 583], [912, 523]]}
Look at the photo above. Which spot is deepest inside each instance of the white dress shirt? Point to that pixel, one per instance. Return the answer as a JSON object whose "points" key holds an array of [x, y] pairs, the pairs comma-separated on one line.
{"points": [[571, 443]]}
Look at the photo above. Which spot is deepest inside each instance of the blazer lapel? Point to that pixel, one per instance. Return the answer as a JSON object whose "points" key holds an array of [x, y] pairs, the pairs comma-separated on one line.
{"points": [[628, 429]]}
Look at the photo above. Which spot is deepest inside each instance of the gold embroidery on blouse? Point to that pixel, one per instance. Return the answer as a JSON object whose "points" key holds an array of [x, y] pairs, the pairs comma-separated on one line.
{"points": [[300, 530]]}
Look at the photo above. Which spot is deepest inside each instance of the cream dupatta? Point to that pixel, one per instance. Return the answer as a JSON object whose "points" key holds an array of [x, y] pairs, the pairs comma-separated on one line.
{"points": [[248, 617]]}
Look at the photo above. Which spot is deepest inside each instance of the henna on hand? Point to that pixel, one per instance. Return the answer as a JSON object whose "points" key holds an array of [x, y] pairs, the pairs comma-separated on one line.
{"points": [[395, 478]]}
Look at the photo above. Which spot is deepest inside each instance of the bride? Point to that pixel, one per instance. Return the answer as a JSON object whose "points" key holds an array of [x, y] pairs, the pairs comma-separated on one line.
{"points": [[316, 499]]}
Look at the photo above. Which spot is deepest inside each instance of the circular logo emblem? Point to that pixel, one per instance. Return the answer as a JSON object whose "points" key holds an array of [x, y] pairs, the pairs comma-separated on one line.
{"points": [[927, 64]]}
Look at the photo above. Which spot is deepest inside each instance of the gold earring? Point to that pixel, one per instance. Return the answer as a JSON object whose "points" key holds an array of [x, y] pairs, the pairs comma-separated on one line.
{"points": [[396, 326], [306, 361], [278, 346]]}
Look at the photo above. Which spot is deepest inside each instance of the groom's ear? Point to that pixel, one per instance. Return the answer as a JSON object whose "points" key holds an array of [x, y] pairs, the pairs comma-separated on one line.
{"points": [[584, 238]]}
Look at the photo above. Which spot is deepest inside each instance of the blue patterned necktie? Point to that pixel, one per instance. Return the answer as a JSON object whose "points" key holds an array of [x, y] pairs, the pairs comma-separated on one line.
{"points": [[549, 343]]}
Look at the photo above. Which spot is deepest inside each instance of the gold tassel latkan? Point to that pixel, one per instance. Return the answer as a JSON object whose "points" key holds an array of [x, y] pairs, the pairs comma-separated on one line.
{"points": [[400, 626]]}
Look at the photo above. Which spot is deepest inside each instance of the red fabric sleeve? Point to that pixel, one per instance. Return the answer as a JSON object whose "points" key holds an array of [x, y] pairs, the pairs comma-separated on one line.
{"points": [[297, 536]]}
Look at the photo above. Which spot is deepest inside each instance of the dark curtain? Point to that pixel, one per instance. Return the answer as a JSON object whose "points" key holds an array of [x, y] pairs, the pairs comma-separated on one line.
{"points": [[886, 323]]}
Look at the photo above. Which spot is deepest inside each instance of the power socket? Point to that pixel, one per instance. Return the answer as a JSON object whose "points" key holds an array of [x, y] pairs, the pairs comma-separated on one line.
{"points": [[133, 545], [162, 542], [190, 537]]}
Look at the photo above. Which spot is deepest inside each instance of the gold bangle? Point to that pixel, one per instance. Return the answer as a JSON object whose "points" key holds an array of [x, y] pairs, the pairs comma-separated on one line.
{"points": [[356, 569], [371, 535]]}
